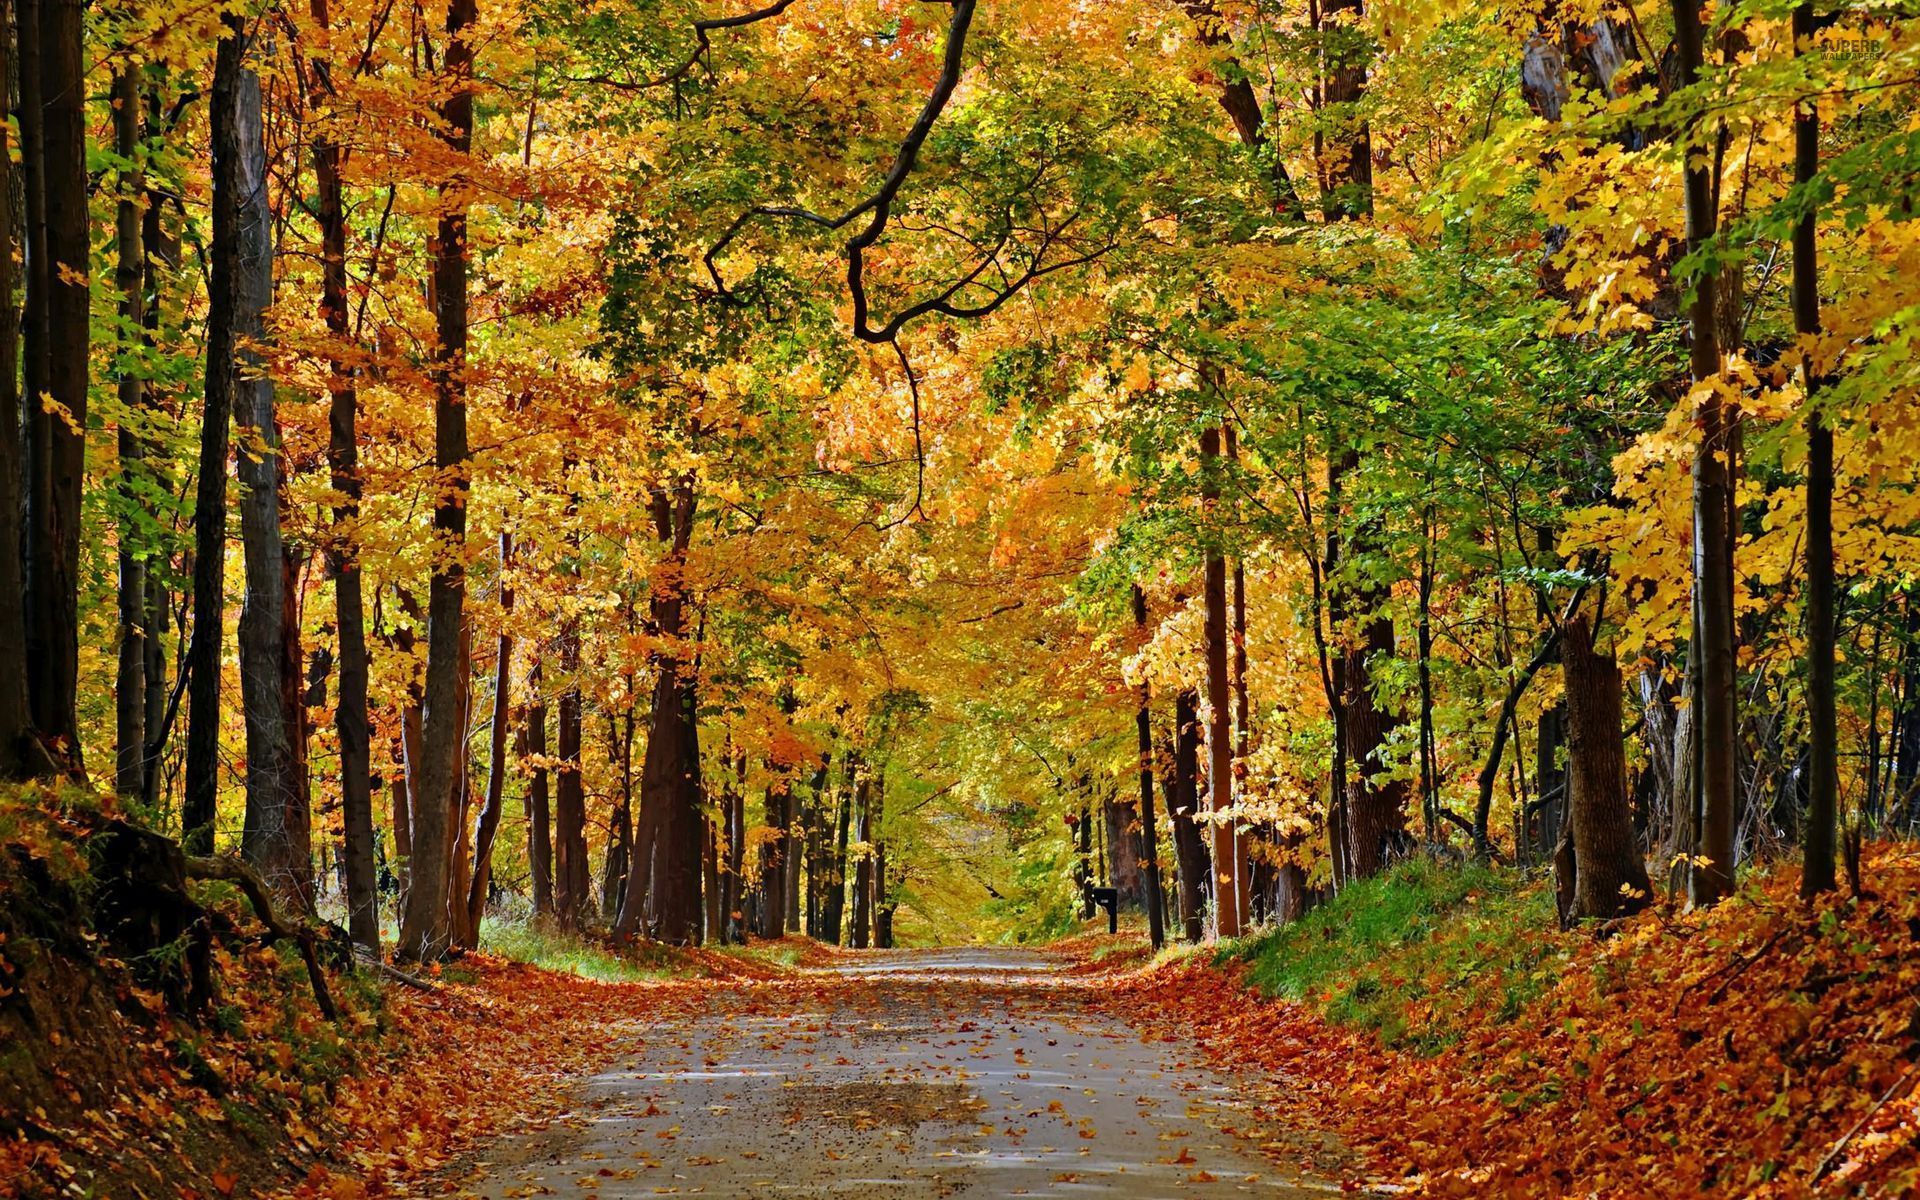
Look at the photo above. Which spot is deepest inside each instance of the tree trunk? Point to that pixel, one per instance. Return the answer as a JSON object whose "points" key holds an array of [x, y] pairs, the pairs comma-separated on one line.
{"points": [[1823, 759], [275, 838], [1230, 873], [223, 384], [1610, 874], [1183, 801], [487, 825], [735, 926], [343, 463], [1156, 897], [539, 813], [793, 851], [710, 879], [774, 853], [161, 262], [53, 99], [1906, 718], [837, 874], [570, 873], [129, 281], [862, 923], [424, 924], [883, 898], [21, 754], [665, 886], [619, 860], [1718, 725]]}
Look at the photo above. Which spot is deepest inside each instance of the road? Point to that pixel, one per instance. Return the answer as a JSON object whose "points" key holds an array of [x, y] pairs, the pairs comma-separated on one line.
{"points": [[903, 1075]]}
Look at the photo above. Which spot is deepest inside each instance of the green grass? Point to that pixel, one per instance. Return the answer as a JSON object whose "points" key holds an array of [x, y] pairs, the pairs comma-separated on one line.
{"points": [[1418, 954], [552, 950]]}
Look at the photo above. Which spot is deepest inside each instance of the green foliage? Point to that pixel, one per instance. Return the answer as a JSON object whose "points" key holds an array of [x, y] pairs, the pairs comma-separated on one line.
{"points": [[552, 950], [1411, 952]]}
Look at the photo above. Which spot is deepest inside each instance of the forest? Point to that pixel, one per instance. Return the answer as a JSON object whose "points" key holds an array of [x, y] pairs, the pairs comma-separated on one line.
{"points": [[527, 514]]}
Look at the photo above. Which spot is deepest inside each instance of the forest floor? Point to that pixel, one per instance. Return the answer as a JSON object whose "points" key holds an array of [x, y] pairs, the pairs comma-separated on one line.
{"points": [[1436, 1021]]}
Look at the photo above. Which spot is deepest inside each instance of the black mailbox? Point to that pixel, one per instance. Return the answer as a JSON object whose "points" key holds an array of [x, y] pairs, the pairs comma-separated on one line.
{"points": [[1109, 899]]}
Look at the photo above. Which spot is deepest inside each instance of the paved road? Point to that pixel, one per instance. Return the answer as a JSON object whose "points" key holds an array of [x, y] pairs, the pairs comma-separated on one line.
{"points": [[901, 1075]]}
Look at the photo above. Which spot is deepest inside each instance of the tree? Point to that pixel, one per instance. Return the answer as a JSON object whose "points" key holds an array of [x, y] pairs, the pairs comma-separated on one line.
{"points": [[1609, 876], [1712, 657], [275, 836], [54, 153], [1823, 759], [424, 931]]}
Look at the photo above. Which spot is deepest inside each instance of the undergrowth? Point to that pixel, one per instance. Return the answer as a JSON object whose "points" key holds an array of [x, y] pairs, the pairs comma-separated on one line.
{"points": [[551, 949], [1415, 954]]}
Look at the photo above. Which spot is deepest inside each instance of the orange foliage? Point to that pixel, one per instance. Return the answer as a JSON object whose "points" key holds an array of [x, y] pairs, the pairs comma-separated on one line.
{"points": [[1760, 1049]]}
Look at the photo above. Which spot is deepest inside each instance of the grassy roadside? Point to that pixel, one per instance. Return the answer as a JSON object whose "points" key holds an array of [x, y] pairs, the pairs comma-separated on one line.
{"points": [[589, 956], [1415, 955], [1438, 1022]]}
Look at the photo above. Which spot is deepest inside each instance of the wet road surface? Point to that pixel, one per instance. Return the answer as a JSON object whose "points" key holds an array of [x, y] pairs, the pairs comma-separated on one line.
{"points": [[903, 1074]]}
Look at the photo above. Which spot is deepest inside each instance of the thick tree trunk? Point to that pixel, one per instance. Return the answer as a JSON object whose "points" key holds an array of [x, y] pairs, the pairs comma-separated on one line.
{"points": [[486, 826], [1230, 881], [570, 871], [21, 754], [129, 281], [1823, 758], [1713, 649], [539, 811], [1610, 874], [424, 924], [275, 837], [1183, 802], [58, 328], [665, 888], [1149, 847], [343, 462]]}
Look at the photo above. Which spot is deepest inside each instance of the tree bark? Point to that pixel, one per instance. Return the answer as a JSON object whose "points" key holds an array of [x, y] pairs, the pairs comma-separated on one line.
{"points": [[1714, 651], [773, 865], [129, 280], [1183, 801], [665, 889], [733, 924], [424, 926], [618, 873], [21, 753], [487, 824], [351, 721], [275, 837], [223, 384], [53, 96], [1610, 874], [1149, 835], [570, 872], [862, 923], [1229, 884], [833, 919], [539, 811], [1823, 759]]}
